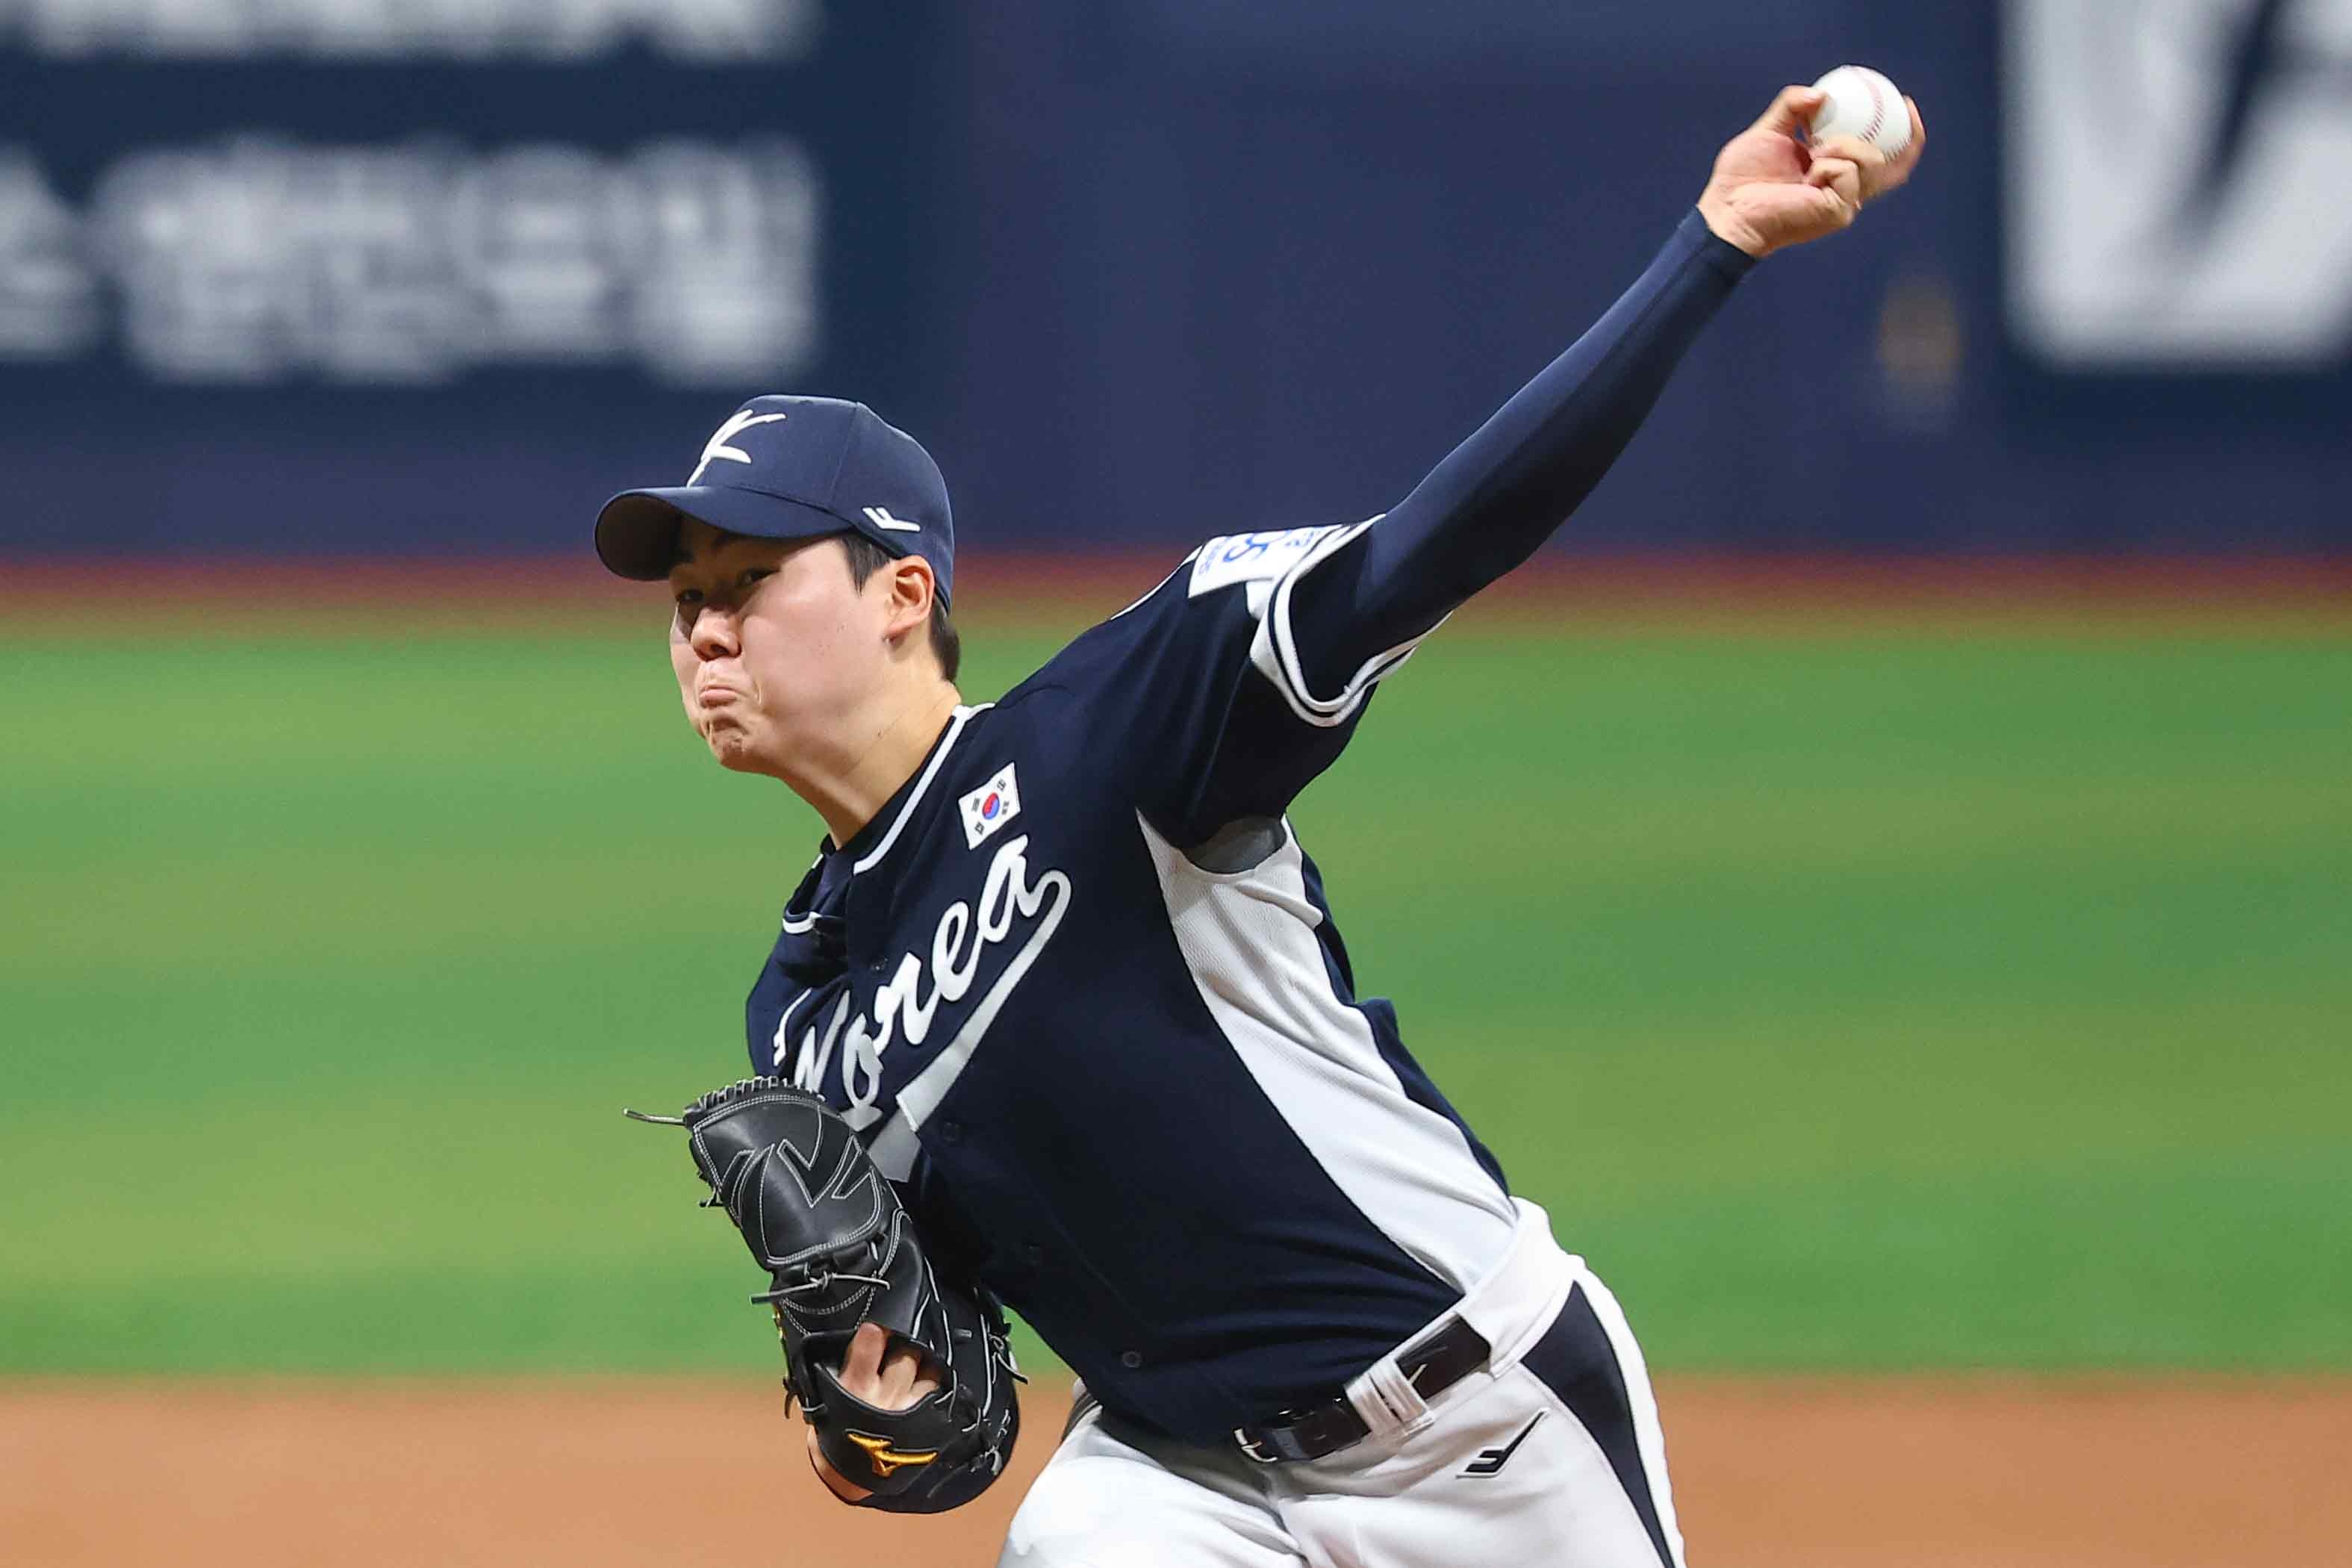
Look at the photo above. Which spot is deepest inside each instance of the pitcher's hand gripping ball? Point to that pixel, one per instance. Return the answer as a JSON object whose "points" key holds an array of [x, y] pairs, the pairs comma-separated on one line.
{"points": [[841, 1251], [1864, 104]]}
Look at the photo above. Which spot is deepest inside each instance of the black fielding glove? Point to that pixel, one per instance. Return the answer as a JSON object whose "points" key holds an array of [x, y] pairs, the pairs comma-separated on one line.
{"points": [[841, 1251]]}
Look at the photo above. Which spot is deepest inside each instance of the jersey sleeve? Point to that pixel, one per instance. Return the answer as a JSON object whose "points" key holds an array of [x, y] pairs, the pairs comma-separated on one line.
{"points": [[1183, 695], [1348, 613]]}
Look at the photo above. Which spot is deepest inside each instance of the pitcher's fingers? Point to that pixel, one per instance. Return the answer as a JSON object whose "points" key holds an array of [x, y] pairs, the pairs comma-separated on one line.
{"points": [[861, 1368], [898, 1378], [1792, 110], [905, 1380], [1880, 173], [1853, 148], [1834, 210], [923, 1380], [1840, 176]]}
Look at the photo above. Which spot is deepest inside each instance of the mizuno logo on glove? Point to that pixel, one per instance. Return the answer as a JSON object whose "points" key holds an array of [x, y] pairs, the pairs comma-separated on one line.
{"points": [[888, 1460]]}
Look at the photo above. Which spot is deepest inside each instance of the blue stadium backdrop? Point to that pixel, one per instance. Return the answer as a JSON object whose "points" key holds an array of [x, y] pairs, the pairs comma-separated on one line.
{"points": [[386, 276]]}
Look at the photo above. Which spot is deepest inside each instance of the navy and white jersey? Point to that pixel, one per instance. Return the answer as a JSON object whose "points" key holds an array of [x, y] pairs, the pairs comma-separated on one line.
{"points": [[1140, 1095], [1078, 986]]}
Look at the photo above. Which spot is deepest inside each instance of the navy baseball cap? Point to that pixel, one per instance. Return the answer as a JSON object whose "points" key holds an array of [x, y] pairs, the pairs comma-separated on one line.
{"points": [[792, 468]]}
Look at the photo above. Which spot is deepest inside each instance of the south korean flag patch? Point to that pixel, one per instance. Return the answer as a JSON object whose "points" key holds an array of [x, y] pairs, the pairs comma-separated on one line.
{"points": [[991, 807]]}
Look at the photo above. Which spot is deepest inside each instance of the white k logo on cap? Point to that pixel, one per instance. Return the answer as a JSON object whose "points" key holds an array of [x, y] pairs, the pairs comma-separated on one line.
{"points": [[743, 419]]}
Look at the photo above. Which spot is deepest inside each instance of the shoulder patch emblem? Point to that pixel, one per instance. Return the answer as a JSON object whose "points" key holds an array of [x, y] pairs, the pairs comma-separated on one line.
{"points": [[991, 807], [1250, 557]]}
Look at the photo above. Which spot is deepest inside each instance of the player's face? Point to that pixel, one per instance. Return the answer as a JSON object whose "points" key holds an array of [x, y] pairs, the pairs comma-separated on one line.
{"points": [[775, 649]]}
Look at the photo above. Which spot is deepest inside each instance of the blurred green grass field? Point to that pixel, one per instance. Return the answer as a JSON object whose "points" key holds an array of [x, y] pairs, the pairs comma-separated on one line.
{"points": [[1853, 1000]]}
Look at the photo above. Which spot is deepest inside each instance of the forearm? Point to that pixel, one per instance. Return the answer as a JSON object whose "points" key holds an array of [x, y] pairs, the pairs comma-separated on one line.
{"points": [[1500, 494]]}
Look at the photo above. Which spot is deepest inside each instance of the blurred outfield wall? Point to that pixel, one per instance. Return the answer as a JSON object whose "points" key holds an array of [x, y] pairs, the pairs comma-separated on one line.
{"points": [[333, 277]]}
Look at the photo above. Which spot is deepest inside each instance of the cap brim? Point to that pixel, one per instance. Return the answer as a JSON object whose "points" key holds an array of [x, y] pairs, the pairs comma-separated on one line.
{"points": [[636, 532]]}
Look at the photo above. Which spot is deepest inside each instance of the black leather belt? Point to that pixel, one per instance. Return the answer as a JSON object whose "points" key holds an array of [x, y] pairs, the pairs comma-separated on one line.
{"points": [[1432, 1365]]}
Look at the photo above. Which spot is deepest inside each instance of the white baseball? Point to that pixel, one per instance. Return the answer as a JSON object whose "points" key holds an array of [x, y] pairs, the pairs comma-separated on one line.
{"points": [[1862, 103]]}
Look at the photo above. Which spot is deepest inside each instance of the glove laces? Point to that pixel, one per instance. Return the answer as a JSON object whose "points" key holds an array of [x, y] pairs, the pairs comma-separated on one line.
{"points": [[820, 1282]]}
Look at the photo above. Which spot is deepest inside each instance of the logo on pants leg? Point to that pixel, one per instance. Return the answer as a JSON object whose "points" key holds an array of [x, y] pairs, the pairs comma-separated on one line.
{"points": [[1491, 1462]]}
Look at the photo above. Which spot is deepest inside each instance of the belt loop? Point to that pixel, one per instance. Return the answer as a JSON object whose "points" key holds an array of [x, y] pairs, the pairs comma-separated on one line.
{"points": [[1386, 1399]]}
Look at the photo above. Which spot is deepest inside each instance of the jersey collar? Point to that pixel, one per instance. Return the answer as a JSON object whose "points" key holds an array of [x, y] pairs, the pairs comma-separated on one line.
{"points": [[870, 843]]}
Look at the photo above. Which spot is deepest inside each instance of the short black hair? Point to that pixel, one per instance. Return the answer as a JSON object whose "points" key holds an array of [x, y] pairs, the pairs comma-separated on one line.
{"points": [[866, 558]]}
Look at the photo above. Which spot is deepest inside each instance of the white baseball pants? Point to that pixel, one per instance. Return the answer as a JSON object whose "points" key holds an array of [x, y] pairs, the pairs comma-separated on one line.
{"points": [[1552, 1455]]}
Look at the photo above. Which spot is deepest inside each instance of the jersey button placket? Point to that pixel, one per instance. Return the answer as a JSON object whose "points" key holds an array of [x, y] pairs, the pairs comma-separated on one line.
{"points": [[1130, 1360]]}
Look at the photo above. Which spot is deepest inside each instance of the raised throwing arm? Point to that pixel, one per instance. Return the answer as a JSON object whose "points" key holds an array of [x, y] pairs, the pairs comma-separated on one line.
{"points": [[1495, 499]]}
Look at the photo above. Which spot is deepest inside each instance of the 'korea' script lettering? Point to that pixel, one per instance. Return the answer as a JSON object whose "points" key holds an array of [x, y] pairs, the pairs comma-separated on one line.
{"points": [[907, 1005]]}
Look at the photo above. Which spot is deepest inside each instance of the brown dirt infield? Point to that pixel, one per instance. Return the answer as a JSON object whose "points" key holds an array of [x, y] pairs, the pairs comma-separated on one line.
{"points": [[1910, 1472]]}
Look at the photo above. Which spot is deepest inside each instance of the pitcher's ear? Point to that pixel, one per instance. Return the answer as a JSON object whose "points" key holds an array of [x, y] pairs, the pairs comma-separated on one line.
{"points": [[913, 591]]}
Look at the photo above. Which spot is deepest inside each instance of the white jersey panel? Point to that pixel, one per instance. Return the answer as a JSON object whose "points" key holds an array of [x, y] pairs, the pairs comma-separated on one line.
{"points": [[1249, 940]]}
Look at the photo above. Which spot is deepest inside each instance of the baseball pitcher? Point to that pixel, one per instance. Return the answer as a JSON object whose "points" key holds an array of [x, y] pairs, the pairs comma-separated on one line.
{"points": [[1059, 1019]]}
